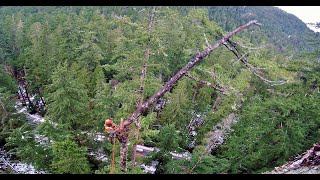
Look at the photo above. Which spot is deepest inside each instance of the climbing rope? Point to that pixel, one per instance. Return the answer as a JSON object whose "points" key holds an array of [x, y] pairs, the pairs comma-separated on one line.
{"points": [[112, 160]]}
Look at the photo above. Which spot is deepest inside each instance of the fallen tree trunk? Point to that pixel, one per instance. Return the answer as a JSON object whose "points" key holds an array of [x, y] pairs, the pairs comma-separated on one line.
{"points": [[123, 137]]}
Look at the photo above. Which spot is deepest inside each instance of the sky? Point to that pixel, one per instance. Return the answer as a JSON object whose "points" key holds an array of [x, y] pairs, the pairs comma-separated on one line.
{"points": [[308, 14]]}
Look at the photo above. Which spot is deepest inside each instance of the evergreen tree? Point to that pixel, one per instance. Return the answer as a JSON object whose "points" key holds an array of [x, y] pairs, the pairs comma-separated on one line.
{"points": [[69, 158], [68, 98]]}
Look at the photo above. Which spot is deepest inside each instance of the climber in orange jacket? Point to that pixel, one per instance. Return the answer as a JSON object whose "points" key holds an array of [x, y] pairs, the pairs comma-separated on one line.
{"points": [[109, 125]]}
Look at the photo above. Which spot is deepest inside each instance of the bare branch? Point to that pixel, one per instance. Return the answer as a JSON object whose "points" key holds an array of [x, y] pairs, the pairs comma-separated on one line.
{"points": [[216, 78], [253, 69], [216, 87], [246, 47], [205, 37], [242, 57], [278, 93]]}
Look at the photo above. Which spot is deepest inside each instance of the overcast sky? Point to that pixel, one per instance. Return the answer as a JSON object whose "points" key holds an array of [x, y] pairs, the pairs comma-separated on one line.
{"points": [[308, 14]]}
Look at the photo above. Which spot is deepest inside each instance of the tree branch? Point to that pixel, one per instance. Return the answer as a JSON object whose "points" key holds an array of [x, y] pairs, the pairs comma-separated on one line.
{"points": [[246, 47], [216, 87], [253, 69]]}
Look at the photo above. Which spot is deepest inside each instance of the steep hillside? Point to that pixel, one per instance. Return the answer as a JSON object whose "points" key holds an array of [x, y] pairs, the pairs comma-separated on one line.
{"points": [[285, 30]]}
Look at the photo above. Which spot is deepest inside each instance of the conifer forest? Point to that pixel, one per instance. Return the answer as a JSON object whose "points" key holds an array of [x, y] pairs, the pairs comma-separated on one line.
{"points": [[158, 90]]}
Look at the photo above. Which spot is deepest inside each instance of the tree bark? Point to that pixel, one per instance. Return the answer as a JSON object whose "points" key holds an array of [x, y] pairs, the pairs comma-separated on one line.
{"points": [[27, 96], [142, 79], [168, 86], [41, 97], [124, 149]]}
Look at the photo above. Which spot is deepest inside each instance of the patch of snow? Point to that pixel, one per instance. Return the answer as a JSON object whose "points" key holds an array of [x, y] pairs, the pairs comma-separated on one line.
{"points": [[32, 98], [144, 148], [150, 169], [35, 118], [99, 156], [160, 104], [18, 167], [99, 137], [23, 110], [43, 140], [193, 133], [185, 155], [26, 169]]}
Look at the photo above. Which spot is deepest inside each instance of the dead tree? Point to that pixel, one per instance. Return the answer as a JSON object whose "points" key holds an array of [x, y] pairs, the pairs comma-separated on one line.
{"points": [[141, 89], [123, 137]]}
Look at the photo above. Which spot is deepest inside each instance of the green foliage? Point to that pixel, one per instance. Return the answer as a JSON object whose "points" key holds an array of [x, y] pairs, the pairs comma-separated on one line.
{"points": [[87, 62], [178, 110], [107, 169], [69, 158], [105, 105], [7, 84], [168, 143], [8, 120], [68, 99], [22, 143], [200, 163], [270, 132]]}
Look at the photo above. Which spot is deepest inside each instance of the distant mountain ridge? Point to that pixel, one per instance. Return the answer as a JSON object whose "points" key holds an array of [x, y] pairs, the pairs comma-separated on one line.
{"points": [[283, 29]]}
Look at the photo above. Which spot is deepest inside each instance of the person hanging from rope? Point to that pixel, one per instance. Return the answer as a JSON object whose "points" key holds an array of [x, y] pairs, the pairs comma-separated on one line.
{"points": [[109, 126]]}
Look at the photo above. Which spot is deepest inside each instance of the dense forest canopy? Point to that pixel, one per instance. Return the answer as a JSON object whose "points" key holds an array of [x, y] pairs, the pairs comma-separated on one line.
{"points": [[248, 107]]}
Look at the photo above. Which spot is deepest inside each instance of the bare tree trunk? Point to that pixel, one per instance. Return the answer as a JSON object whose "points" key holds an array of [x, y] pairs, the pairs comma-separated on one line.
{"points": [[168, 86], [195, 93], [27, 96], [142, 79], [216, 104], [41, 97], [23, 98], [124, 149]]}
